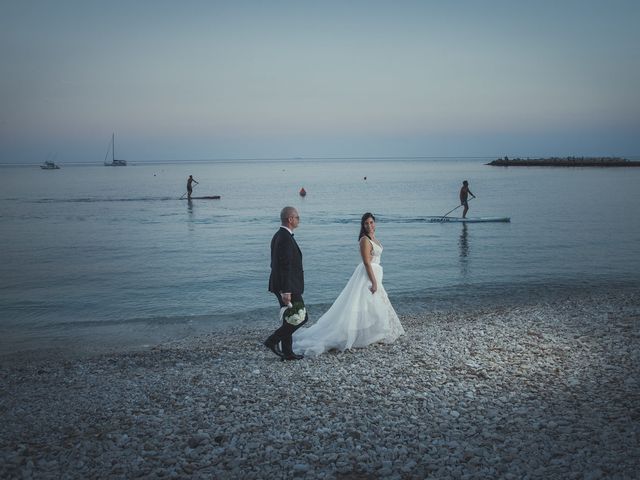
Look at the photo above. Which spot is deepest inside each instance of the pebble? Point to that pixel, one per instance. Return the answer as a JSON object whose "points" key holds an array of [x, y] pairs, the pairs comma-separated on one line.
{"points": [[541, 390]]}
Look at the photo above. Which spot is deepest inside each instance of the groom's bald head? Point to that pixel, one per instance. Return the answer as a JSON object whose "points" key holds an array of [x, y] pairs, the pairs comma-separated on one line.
{"points": [[287, 212], [289, 217]]}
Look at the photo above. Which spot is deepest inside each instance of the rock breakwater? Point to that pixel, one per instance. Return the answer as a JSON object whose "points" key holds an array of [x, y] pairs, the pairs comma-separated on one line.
{"points": [[565, 162]]}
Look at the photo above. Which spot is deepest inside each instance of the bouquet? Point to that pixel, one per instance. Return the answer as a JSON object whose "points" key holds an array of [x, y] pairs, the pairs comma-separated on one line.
{"points": [[294, 314]]}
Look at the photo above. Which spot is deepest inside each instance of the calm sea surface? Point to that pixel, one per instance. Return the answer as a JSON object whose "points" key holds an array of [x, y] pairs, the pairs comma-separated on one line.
{"points": [[95, 257]]}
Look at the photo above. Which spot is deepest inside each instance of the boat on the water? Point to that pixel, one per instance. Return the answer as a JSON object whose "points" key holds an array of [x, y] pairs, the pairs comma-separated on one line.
{"points": [[114, 161], [49, 165], [209, 197], [466, 220]]}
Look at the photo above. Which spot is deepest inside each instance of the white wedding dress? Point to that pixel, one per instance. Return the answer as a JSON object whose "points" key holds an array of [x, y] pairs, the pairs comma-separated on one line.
{"points": [[356, 319]]}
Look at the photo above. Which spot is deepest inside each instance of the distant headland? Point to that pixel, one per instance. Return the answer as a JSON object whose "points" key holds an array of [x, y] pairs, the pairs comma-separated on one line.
{"points": [[565, 162]]}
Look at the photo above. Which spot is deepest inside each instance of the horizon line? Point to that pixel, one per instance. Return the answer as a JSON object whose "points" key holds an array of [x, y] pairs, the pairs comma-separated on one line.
{"points": [[305, 158]]}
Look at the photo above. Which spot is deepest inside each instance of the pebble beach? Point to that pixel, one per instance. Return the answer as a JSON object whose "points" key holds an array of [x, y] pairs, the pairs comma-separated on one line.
{"points": [[544, 390]]}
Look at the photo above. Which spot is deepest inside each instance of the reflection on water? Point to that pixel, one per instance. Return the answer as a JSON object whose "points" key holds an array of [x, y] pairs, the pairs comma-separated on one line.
{"points": [[463, 245], [190, 212]]}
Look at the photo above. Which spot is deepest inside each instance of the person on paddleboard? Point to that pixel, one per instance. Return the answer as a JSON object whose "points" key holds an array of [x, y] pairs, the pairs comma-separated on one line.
{"points": [[464, 195], [190, 183]]}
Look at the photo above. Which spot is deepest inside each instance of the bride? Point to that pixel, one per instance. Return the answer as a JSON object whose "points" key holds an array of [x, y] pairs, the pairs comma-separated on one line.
{"points": [[362, 313]]}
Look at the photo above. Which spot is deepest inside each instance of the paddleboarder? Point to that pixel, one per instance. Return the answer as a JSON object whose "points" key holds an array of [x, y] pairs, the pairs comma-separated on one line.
{"points": [[190, 183], [464, 195]]}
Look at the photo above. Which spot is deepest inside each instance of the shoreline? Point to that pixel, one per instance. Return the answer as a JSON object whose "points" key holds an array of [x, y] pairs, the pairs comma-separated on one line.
{"points": [[86, 339], [546, 389]]}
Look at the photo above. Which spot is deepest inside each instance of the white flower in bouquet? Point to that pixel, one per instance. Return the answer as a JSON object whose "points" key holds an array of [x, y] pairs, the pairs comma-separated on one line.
{"points": [[294, 314]]}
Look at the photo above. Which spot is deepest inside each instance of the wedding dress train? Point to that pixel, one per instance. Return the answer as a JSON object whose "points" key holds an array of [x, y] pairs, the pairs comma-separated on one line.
{"points": [[356, 319]]}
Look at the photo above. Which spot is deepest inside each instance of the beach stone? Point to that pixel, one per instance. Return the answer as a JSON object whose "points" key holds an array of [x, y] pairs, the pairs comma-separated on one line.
{"points": [[414, 409], [593, 475]]}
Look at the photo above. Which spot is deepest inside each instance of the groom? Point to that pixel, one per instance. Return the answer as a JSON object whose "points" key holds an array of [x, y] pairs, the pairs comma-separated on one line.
{"points": [[286, 281]]}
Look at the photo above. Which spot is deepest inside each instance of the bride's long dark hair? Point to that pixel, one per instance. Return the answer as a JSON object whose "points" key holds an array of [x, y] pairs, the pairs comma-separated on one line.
{"points": [[363, 232]]}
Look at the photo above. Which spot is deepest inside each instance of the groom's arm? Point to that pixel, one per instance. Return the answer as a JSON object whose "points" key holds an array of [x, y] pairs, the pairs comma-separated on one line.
{"points": [[285, 264]]}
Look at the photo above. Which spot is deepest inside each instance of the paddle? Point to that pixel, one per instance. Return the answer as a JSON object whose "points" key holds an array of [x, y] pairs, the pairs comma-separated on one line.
{"points": [[196, 184], [456, 207]]}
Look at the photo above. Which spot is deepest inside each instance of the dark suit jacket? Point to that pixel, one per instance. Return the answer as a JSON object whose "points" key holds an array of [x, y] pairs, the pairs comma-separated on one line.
{"points": [[287, 275]]}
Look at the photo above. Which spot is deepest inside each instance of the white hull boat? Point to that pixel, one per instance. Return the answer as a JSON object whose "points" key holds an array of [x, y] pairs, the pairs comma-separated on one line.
{"points": [[114, 161], [49, 165]]}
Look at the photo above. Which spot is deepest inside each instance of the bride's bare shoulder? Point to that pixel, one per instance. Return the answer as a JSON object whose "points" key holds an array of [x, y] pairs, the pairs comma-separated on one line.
{"points": [[366, 240]]}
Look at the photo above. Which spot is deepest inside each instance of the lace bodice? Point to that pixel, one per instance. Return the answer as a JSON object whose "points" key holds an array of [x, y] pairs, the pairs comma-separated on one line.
{"points": [[376, 252]]}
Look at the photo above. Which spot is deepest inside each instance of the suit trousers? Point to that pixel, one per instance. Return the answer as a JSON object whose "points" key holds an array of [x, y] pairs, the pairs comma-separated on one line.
{"points": [[285, 332]]}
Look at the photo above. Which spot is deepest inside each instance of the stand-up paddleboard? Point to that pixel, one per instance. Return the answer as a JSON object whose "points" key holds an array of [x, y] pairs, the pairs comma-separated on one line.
{"points": [[466, 220], [210, 197]]}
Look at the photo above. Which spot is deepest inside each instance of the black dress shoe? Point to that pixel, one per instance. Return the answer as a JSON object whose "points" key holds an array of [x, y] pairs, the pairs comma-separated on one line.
{"points": [[292, 356], [274, 347]]}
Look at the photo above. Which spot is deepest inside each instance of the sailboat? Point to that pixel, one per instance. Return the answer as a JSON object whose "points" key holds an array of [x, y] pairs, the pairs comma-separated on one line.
{"points": [[114, 162]]}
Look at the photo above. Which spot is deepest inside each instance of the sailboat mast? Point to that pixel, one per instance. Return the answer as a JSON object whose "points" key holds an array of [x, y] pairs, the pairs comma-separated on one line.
{"points": [[113, 147]]}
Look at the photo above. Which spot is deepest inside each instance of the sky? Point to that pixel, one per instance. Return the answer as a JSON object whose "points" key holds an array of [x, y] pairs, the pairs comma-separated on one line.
{"points": [[197, 80]]}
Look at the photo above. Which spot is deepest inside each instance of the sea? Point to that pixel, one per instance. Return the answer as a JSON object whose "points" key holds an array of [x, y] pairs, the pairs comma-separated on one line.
{"points": [[96, 258]]}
